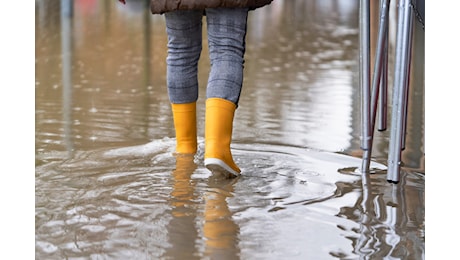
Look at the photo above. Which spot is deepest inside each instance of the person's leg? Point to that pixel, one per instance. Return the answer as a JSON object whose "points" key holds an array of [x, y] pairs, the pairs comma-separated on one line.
{"points": [[226, 39], [184, 49]]}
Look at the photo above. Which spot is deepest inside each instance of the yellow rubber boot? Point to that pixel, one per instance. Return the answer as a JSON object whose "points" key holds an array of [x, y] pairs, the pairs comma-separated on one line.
{"points": [[218, 136], [185, 125]]}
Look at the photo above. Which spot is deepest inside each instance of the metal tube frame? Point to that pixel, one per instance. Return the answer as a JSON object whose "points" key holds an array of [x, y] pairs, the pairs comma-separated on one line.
{"points": [[370, 104]]}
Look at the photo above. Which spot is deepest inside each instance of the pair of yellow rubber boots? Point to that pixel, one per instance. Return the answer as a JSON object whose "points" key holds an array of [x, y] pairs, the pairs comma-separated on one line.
{"points": [[218, 134]]}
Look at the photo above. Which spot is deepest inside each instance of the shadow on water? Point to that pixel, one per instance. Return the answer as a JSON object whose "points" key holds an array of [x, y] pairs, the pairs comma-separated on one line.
{"points": [[107, 183]]}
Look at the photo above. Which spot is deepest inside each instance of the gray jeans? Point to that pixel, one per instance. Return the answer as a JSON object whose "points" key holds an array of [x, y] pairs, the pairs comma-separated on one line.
{"points": [[226, 29]]}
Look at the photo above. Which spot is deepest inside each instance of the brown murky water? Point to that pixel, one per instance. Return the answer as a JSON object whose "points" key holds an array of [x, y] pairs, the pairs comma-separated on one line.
{"points": [[108, 187]]}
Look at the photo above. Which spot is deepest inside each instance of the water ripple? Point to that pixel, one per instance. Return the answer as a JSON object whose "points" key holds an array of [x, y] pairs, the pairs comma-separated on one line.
{"points": [[132, 200]]}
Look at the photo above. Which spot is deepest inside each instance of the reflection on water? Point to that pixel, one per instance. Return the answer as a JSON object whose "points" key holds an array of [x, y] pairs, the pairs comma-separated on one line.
{"points": [[108, 185]]}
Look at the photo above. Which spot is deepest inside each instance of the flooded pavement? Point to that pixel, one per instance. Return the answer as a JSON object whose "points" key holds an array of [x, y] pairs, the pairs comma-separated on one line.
{"points": [[107, 185]]}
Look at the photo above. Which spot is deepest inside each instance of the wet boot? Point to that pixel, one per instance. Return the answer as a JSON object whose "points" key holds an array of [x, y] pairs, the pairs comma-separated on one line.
{"points": [[218, 135], [185, 125]]}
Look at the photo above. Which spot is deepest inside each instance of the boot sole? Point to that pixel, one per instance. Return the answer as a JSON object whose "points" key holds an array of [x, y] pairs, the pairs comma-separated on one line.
{"points": [[219, 167]]}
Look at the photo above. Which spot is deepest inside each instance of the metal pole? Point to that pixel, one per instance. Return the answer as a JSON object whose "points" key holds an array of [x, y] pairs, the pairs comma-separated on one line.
{"points": [[407, 78], [383, 103], [399, 92], [364, 79], [379, 59], [66, 44], [378, 68], [66, 8]]}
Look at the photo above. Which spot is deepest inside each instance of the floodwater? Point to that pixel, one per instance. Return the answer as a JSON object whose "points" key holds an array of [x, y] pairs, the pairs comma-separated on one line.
{"points": [[107, 185]]}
